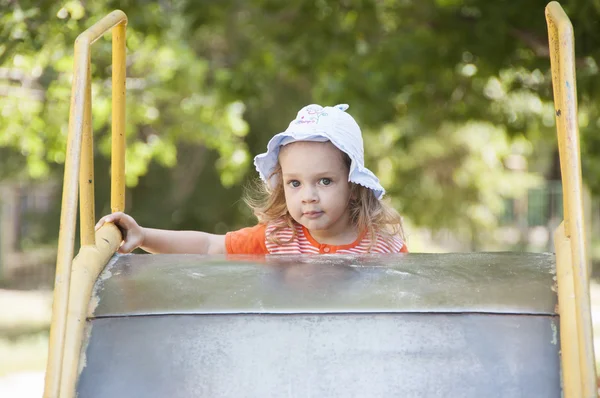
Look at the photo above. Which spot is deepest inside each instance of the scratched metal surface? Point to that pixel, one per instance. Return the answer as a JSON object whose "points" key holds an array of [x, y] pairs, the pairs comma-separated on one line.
{"points": [[448, 283], [323, 355]]}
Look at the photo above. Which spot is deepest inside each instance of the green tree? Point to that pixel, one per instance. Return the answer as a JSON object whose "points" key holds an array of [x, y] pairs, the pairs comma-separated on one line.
{"points": [[447, 93], [170, 101]]}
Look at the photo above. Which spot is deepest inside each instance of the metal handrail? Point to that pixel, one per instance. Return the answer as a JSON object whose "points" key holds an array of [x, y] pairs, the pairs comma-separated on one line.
{"points": [[577, 346], [67, 322]]}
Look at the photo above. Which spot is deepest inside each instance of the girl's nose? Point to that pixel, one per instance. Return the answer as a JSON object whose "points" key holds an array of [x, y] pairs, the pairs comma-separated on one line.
{"points": [[309, 195]]}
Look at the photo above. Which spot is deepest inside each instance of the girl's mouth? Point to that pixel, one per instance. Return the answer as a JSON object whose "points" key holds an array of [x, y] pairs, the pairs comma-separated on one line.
{"points": [[312, 214]]}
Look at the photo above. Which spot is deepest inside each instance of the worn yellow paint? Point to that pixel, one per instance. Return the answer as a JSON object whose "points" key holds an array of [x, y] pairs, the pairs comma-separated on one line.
{"points": [[566, 308], [117, 201], [562, 60], [86, 175], [87, 265], [79, 132]]}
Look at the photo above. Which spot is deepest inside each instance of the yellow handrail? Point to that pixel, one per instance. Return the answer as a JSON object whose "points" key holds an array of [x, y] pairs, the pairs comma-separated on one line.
{"points": [[79, 166], [577, 347]]}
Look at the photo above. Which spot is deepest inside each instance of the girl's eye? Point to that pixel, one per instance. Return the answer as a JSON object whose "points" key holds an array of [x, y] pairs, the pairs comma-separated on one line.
{"points": [[294, 183], [325, 181]]}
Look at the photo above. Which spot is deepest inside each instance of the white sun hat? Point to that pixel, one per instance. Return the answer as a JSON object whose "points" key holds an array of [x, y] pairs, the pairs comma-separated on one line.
{"points": [[317, 123]]}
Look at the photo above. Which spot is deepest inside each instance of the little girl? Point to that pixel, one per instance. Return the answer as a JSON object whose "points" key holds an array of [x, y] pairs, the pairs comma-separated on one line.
{"points": [[317, 196]]}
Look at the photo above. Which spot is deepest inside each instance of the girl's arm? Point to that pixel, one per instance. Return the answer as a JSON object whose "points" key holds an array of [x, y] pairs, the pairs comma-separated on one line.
{"points": [[188, 242], [163, 241]]}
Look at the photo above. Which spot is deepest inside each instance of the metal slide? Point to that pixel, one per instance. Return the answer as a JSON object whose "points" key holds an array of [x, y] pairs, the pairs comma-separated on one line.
{"points": [[415, 325]]}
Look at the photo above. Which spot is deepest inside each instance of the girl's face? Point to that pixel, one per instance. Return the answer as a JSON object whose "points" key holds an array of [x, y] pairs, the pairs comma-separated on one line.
{"points": [[317, 191]]}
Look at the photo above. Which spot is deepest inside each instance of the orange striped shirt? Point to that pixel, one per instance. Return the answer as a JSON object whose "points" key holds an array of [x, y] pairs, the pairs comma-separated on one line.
{"points": [[255, 240]]}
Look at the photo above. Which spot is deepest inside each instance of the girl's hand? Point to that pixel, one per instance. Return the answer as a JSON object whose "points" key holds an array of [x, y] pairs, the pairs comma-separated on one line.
{"points": [[133, 234]]}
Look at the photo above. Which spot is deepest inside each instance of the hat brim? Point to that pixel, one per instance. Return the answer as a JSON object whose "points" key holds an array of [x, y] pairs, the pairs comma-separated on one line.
{"points": [[265, 163]]}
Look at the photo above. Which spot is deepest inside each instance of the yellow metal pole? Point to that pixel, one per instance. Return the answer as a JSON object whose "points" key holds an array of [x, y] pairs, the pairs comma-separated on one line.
{"points": [[552, 19], [66, 234], [571, 373], [562, 50], [88, 264], [77, 119], [86, 178], [118, 120], [107, 23]]}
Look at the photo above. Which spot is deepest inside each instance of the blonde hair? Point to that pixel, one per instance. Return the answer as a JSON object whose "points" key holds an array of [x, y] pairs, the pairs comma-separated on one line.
{"points": [[366, 211]]}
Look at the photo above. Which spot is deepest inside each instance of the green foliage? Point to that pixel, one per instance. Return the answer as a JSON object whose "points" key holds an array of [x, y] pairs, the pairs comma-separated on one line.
{"points": [[448, 94], [169, 100]]}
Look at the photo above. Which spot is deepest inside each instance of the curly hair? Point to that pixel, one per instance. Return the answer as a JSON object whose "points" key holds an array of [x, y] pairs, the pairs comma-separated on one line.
{"points": [[366, 211]]}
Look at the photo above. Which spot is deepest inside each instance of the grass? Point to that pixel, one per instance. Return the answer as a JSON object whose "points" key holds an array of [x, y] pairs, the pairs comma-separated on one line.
{"points": [[24, 324], [25, 354]]}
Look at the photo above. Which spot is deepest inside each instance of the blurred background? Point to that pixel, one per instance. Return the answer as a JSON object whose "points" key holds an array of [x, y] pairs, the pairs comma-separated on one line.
{"points": [[454, 98]]}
